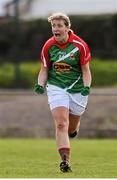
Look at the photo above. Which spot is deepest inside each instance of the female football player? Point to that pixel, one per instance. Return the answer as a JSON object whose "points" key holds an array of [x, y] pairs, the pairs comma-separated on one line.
{"points": [[66, 74]]}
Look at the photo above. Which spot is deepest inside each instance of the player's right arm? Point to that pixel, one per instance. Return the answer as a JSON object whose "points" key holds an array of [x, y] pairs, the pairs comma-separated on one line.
{"points": [[45, 63], [43, 76]]}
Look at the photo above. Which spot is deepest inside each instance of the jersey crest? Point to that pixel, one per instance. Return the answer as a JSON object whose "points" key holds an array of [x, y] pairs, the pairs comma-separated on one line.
{"points": [[72, 56]]}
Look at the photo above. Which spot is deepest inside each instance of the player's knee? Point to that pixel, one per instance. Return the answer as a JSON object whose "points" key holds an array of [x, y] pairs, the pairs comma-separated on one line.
{"points": [[61, 121], [62, 125]]}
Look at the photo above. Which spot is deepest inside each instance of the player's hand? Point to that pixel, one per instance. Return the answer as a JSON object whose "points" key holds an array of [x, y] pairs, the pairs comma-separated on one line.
{"points": [[39, 89], [85, 91]]}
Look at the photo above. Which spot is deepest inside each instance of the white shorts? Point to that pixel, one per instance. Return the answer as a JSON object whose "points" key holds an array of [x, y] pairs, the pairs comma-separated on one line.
{"points": [[57, 97]]}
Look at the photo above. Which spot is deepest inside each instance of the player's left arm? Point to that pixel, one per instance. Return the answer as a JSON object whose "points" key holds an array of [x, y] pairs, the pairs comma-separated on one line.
{"points": [[86, 73], [85, 58]]}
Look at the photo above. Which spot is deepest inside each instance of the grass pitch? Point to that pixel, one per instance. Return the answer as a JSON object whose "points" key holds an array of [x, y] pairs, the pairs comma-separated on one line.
{"points": [[38, 158]]}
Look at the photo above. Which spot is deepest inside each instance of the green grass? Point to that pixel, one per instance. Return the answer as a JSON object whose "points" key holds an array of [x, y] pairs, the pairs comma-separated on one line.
{"points": [[38, 158]]}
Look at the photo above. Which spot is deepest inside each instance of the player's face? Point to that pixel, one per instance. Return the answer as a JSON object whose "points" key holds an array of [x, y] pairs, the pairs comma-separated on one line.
{"points": [[60, 30]]}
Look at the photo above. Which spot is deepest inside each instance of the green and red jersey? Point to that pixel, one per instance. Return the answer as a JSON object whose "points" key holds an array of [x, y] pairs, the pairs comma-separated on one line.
{"points": [[64, 62]]}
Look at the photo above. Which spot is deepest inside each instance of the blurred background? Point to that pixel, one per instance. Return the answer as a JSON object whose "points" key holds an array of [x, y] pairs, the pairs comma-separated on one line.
{"points": [[23, 31]]}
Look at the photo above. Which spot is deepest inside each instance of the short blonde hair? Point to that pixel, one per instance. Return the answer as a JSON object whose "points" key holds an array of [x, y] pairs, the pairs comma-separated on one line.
{"points": [[60, 16]]}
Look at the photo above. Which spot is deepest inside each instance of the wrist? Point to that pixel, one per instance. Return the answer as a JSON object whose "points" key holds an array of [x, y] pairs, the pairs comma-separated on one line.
{"points": [[85, 90], [40, 85], [39, 89], [87, 87]]}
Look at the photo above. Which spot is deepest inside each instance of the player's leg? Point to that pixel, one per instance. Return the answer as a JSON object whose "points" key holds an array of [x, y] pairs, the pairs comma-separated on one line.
{"points": [[61, 119], [58, 100], [74, 125]]}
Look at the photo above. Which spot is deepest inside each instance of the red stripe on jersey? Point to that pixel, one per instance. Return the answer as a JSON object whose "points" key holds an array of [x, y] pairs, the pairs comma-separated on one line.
{"points": [[44, 52], [85, 55]]}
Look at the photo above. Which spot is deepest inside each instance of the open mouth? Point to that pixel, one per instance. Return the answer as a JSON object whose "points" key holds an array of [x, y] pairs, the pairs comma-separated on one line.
{"points": [[57, 34]]}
